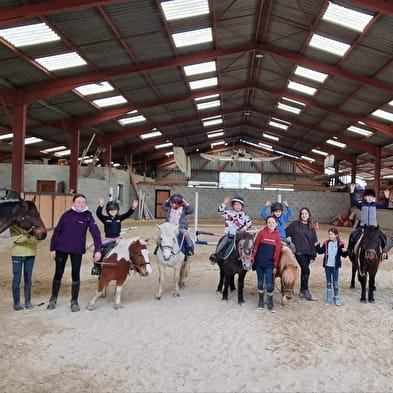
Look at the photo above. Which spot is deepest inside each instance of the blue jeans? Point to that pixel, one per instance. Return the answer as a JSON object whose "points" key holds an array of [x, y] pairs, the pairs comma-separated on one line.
{"points": [[332, 277], [265, 274], [26, 265]]}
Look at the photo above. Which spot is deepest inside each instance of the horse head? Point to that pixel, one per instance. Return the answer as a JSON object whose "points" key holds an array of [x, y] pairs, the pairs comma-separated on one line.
{"points": [[288, 272], [244, 246], [167, 242], [369, 250], [139, 257]]}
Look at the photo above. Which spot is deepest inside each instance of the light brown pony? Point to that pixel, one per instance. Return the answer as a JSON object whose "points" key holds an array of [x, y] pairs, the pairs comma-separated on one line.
{"points": [[128, 254], [287, 271]]}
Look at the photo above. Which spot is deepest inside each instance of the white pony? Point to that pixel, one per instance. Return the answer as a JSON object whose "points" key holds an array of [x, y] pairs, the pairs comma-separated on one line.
{"points": [[169, 254]]}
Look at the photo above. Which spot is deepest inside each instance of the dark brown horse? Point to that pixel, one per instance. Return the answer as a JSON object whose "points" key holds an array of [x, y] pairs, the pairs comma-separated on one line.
{"points": [[24, 214], [368, 254], [128, 254], [237, 260], [287, 272]]}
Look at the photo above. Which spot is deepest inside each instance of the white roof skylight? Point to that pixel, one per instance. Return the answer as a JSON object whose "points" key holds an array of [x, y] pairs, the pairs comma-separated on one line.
{"points": [[202, 83], [59, 62], [346, 17], [209, 104], [6, 136], [302, 88], [292, 101], [132, 119], [94, 88], [320, 152], [32, 139], [288, 108], [210, 96], [215, 134], [383, 114], [212, 121], [278, 124], [193, 37], [152, 134], [219, 143], [265, 146], [53, 149], [63, 153], [360, 131], [179, 9], [169, 153], [110, 101], [163, 145], [307, 158], [200, 68], [328, 45], [269, 136], [310, 74], [336, 143], [29, 35]]}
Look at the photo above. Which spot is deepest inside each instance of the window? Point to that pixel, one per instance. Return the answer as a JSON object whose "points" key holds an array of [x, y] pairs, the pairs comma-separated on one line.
{"points": [[120, 190], [239, 180]]}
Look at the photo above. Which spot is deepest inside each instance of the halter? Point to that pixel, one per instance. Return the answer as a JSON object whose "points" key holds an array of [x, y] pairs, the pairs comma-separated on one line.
{"points": [[162, 248]]}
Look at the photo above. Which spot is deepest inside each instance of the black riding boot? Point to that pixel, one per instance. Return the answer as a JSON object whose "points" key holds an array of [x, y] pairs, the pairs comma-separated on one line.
{"points": [[16, 295], [74, 296], [55, 292], [28, 303], [261, 303], [96, 269]]}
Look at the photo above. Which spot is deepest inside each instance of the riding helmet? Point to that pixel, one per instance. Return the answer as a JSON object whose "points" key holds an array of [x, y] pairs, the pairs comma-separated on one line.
{"points": [[369, 191], [112, 205], [176, 198], [238, 199], [277, 206]]}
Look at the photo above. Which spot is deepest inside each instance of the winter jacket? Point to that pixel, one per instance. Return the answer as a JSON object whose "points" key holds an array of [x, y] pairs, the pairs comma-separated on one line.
{"points": [[303, 237], [24, 245], [69, 235], [368, 211], [280, 220], [187, 209], [324, 249], [112, 225], [267, 248], [234, 220]]}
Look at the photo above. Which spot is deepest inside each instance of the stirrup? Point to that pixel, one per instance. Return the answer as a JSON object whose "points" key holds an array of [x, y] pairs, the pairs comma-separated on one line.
{"points": [[95, 270]]}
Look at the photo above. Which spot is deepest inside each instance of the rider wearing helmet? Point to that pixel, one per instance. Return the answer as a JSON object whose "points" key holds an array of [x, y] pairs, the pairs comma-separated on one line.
{"points": [[277, 210], [112, 227], [236, 219], [368, 215], [177, 209]]}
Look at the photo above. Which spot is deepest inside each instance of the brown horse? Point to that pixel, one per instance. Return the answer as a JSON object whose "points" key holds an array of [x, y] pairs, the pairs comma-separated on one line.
{"points": [[368, 255], [24, 214], [128, 254], [287, 272]]}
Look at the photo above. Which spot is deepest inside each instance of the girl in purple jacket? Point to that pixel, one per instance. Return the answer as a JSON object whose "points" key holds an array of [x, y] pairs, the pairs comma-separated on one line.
{"points": [[69, 239]]}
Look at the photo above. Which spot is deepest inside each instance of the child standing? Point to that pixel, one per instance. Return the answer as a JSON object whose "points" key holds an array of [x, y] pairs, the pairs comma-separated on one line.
{"points": [[112, 227], [236, 219], [177, 209], [333, 249], [266, 254], [23, 254], [368, 216]]}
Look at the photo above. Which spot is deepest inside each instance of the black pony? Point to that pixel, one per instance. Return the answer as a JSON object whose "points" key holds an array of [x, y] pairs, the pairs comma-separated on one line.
{"points": [[24, 214], [368, 254], [237, 260]]}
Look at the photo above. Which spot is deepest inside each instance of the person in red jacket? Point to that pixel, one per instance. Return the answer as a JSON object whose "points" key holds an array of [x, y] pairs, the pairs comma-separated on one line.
{"points": [[266, 254]]}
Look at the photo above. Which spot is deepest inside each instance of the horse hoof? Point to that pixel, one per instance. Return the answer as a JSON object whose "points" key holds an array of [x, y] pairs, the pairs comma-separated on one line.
{"points": [[176, 294], [363, 301], [158, 297], [118, 306], [90, 307], [371, 300], [352, 287], [241, 303], [225, 299]]}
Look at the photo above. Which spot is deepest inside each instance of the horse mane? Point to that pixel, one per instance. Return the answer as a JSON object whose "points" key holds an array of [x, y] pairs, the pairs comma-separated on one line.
{"points": [[287, 258]]}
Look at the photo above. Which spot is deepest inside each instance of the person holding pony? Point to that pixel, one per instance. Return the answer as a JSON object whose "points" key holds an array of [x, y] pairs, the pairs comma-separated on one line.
{"points": [[112, 227], [177, 209], [277, 210], [333, 249], [24, 250], [236, 219], [69, 239], [266, 256], [368, 216], [304, 235]]}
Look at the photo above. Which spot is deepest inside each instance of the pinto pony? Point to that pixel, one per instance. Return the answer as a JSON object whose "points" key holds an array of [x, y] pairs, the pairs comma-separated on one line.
{"points": [[287, 272], [128, 254], [169, 254], [24, 214], [237, 260], [368, 255]]}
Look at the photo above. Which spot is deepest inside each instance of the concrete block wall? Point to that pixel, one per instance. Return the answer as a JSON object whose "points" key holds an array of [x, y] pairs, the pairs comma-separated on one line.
{"points": [[323, 205]]}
